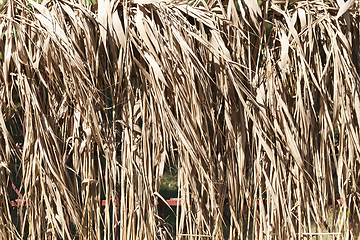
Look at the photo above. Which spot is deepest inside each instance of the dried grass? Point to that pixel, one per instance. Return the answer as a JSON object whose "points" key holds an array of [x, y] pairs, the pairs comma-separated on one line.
{"points": [[260, 102]]}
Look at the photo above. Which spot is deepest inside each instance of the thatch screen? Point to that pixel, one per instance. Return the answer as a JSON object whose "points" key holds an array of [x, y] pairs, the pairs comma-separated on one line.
{"points": [[256, 104]]}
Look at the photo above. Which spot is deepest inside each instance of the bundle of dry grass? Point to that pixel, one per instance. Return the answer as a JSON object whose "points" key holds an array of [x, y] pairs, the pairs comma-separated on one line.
{"points": [[259, 100]]}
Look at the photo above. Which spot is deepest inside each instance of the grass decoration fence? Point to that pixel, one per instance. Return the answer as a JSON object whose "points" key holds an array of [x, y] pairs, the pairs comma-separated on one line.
{"points": [[255, 104]]}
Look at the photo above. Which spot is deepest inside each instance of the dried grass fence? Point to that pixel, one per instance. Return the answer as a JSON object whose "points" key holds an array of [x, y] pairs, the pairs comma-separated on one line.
{"points": [[260, 99]]}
